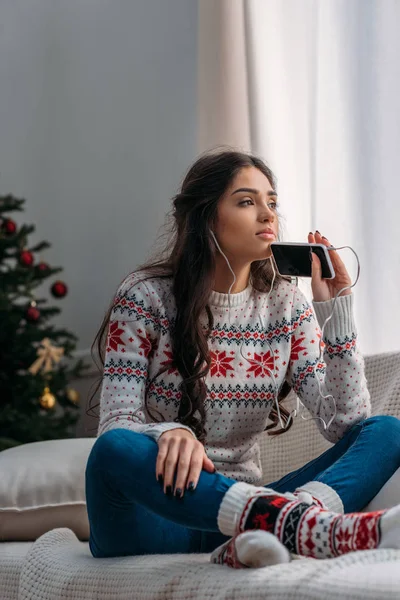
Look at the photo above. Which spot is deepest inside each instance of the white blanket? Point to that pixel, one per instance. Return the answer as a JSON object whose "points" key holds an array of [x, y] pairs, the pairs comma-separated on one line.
{"points": [[12, 559], [60, 567]]}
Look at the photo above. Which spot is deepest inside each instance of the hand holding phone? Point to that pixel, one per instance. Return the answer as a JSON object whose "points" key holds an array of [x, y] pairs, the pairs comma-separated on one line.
{"points": [[295, 259], [329, 277], [326, 289]]}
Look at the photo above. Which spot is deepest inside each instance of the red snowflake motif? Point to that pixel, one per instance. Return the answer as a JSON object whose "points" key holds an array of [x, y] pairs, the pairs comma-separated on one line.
{"points": [[343, 540], [146, 345], [220, 363], [169, 363], [296, 347], [114, 337], [261, 364]]}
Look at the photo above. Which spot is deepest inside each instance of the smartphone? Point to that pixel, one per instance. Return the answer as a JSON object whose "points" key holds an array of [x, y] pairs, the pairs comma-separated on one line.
{"points": [[294, 259]]}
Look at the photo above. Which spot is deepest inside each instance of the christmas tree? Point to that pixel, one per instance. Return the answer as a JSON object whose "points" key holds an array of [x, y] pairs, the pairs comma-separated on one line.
{"points": [[36, 358]]}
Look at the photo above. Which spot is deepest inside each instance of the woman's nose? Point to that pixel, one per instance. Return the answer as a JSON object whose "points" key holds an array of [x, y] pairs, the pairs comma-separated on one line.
{"points": [[268, 216]]}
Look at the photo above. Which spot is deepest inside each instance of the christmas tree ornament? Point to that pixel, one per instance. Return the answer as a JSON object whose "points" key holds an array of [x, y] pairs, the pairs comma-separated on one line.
{"points": [[26, 258], [8, 227], [33, 313], [42, 266], [72, 395], [59, 289], [48, 356], [47, 400]]}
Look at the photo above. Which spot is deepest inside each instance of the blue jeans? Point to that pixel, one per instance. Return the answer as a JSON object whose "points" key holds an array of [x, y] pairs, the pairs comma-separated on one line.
{"points": [[129, 514]]}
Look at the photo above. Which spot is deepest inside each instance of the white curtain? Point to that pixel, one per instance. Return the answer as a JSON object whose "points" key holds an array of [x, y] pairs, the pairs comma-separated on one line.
{"points": [[313, 87]]}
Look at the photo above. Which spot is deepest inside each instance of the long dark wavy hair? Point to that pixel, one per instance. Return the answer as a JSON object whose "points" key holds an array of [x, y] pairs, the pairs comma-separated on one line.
{"points": [[188, 259]]}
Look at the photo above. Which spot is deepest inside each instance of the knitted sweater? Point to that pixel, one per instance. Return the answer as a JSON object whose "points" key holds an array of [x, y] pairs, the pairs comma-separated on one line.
{"points": [[245, 372]]}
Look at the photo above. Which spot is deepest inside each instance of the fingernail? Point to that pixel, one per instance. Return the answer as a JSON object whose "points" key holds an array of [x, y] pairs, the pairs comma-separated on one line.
{"points": [[324, 238], [310, 233], [178, 493], [215, 470], [160, 478], [168, 491], [316, 231], [191, 486]]}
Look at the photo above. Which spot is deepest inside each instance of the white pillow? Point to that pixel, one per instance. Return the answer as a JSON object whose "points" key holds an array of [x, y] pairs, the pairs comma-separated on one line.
{"points": [[42, 487], [388, 495]]}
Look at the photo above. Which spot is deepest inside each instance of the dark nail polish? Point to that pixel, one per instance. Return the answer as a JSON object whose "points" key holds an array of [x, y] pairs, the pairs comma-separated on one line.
{"points": [[168, 490], [160, 478], [191, 486], [324, 238], [215, 470], [178, 493], [310, 233], [316, 231]]}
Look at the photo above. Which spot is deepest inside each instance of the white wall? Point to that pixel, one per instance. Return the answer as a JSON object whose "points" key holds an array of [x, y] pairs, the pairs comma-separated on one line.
{"points": [[97, 127]]}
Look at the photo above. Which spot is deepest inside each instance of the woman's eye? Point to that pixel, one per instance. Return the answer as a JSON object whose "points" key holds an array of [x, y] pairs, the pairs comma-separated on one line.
{"points": [[272, 205]]}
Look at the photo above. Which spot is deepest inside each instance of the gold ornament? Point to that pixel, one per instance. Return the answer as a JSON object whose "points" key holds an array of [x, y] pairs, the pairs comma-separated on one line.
{"points": [[48, 355], [72, 395], [47, 399]]}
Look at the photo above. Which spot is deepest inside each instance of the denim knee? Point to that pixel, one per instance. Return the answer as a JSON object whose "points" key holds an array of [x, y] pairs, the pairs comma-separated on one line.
{"points": [[112, 446], [385, 428], [383, 424]]}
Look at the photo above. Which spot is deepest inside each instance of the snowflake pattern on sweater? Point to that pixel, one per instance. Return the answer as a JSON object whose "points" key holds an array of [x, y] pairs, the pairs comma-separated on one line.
{"points": [[245, 374]]}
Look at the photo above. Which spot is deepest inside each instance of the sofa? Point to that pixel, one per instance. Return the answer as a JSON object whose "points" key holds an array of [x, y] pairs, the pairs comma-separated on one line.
{"points": [[44, 529]]}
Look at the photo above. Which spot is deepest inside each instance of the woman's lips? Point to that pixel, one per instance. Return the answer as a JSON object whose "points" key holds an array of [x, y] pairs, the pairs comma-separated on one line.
{"points": [[266, 236]]}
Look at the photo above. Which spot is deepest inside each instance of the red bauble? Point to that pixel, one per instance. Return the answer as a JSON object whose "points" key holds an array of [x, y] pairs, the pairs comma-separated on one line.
{"points": [[9, 226], [59, 289], [32, 314], [42, 266], [26, 258]]}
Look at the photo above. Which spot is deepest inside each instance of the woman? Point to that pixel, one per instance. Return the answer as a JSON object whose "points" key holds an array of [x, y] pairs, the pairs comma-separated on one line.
{"points": [[202, 347]]}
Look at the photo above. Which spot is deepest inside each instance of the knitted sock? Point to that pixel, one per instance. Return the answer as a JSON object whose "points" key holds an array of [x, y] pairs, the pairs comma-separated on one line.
{"points": [[308, 498], [254, 549], [304, 529]]}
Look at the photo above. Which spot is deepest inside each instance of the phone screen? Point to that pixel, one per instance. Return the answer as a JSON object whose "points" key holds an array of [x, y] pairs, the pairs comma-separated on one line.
{"points": [[295, 260]]}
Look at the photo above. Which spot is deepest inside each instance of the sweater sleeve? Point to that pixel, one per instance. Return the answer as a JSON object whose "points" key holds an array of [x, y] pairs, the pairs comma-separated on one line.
{"points": [[133, 336], [341, 369]]}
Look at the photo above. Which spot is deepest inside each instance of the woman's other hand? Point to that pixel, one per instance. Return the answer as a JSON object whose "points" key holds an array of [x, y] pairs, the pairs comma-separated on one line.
{"points": [[179, 452]]}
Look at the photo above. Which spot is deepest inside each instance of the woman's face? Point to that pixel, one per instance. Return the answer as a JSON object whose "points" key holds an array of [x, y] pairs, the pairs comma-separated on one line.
{"points": [[247, 207]]}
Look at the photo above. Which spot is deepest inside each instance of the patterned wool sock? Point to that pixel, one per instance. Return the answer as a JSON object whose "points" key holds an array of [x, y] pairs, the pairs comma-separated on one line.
{"points": [[254, 549], [308, 498], [304, 529]]}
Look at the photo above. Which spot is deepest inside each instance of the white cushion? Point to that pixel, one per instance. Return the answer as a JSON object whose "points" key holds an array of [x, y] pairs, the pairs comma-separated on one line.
{"points": [[42, 486], [388, 495]]}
